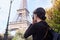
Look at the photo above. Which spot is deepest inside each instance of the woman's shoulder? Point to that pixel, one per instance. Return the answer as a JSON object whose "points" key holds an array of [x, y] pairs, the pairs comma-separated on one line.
{"points": [[41, 23]]}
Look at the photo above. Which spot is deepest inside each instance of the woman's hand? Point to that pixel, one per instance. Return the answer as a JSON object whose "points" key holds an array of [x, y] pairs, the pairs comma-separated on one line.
{"points": [[34, 21]]}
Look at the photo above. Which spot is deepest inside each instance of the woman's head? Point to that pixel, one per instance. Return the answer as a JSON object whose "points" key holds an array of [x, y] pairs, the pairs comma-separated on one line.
{"points": [[40, 13]]}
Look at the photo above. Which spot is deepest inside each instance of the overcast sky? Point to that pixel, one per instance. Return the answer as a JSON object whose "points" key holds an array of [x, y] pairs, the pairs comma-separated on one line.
{"points": [[4, 9]]}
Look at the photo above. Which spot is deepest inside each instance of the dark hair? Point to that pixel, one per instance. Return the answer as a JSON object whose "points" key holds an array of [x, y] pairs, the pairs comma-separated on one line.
{"points": [[40, 12]]}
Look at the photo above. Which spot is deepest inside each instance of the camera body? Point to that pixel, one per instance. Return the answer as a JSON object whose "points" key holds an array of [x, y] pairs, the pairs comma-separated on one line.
{"points": [[34, 19]]}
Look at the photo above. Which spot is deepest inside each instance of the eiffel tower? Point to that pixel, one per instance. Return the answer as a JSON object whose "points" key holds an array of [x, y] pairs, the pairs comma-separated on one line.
{"points": [[22, 22]]}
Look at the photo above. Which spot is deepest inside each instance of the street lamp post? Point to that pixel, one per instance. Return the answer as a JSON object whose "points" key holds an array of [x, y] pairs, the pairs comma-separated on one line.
{"points": [[6, 32]]}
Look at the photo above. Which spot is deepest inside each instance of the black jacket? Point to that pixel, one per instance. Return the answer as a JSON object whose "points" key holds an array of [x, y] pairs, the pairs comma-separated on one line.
{"points": [[38, 30]]}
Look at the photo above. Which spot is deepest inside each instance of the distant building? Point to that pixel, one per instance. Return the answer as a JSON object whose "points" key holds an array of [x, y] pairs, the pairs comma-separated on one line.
{"points": [[22, 22]]}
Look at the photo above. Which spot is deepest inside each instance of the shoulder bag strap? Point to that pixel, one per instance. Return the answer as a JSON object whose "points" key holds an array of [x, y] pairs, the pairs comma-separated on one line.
{"points": [[45, 34]]}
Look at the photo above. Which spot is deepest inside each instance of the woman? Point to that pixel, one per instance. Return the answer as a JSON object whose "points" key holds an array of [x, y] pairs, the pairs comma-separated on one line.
{"points": [[39, 28]]}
